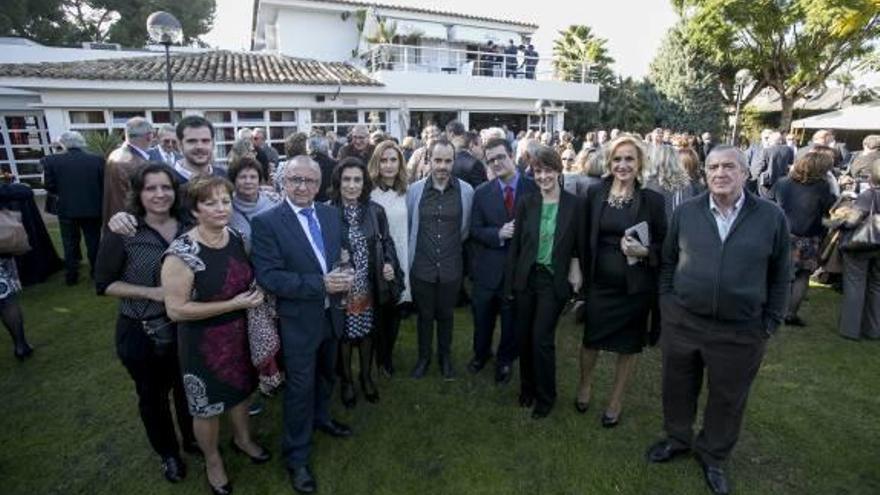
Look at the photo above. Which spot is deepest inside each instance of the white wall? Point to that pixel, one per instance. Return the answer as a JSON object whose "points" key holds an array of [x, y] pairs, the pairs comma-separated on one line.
{"points": [[318, 35]]}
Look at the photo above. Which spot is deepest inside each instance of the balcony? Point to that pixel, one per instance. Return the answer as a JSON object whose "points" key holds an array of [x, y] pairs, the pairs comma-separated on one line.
{"points": [[460, 72]]}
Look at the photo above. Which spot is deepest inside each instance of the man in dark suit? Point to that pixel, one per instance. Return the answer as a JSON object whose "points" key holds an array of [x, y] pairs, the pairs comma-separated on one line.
{"points": [[122, 163], [295, 245], [468, 165], [777, 159], [166, 150], [724, 283], [77, 178], [358, 145], [492, 227]]}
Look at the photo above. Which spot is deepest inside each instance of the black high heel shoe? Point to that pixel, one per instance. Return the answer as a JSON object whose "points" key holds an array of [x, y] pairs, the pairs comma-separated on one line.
{"points": [[370, 393], [348, 395], [24, 354], [218, 490], [263, 458]]}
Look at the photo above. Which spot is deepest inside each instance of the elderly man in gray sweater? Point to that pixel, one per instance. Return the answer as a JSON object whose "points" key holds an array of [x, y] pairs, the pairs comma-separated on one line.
{"points": [[724, 281]]}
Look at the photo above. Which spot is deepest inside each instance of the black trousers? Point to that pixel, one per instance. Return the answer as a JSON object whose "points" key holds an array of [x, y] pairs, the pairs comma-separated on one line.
{"points": [[154, 377], [72, 231], [537, 313], [435, 301], [387, 328], [693, 345], [487, 305]]}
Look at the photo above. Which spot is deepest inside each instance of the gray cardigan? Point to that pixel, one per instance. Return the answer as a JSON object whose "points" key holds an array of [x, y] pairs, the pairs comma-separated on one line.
{"points": [[743, 281], [414, 197]]}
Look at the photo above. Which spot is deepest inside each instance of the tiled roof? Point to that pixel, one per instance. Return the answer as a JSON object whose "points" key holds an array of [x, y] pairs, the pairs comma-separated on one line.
{"points": [[421, 10], [201, 67]]}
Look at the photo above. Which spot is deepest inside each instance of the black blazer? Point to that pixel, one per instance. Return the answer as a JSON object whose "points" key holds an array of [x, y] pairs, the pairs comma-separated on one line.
{"points": [[567, 242], [648, 206], [77, 177], [488, 214]]}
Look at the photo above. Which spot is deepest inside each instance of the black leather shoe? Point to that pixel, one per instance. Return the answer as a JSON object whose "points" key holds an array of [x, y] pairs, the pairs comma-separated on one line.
{"points": [[371, 394], [174, 469], [218, 490], [715, 478], [476, 365], [526, 400], [347, 394], [540, 412], [664, 451], [795, 321], [609, 421], [302, 480], [262, 458], [420, 369], [503, 374], [335, 429], [25, 352], [446, 369]]}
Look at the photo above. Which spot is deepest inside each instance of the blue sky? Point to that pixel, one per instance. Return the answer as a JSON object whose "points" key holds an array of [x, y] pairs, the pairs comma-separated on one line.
{"points": [[633, 28]]}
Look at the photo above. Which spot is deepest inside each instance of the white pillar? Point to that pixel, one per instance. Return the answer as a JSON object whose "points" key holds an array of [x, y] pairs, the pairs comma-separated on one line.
{"points": [[55, 122], [464, 117]]}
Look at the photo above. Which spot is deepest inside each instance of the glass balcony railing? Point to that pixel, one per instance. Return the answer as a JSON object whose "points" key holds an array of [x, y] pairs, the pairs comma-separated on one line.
{"points": [[445, 60]]}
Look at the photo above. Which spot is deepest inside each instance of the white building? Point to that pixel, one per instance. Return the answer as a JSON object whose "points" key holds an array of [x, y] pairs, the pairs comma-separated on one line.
{"points": [[311, 64]]}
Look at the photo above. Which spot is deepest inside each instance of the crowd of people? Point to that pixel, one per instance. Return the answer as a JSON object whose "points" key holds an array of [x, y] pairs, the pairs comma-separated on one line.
{"points": [[271, 274]]}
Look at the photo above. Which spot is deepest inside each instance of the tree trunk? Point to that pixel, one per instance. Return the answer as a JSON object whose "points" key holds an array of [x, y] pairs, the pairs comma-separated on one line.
{"points": [[787, 111]]}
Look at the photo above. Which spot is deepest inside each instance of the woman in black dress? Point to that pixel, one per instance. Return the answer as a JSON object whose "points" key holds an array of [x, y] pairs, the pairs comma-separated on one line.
{"points": [[542, 272], [208, 285], [620, 270], [128, 267], [805, 196], [365, 225]]}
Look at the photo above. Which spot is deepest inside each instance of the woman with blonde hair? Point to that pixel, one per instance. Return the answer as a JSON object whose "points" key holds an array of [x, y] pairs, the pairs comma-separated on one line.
{"points": [[666, 175], [388, 174], [621, 267]]}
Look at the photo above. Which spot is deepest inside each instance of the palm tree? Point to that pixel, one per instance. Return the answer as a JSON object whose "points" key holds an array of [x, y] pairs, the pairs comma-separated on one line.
{"points": [[579, 55]]}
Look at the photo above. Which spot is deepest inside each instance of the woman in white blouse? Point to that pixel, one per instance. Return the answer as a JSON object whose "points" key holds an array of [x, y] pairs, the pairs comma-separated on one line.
{"points": [[388, 173]]}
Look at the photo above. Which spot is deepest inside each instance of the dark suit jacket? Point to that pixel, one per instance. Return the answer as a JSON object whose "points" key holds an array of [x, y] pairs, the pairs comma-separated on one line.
{"points": [[287, 267], [777, 159], [469, 169], [648, 206], [567, 242], [327, 165], [77, 177], [155, 155], [488, 214]]}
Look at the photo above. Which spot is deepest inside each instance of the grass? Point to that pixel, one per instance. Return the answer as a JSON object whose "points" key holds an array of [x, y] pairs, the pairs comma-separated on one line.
{"points": [[70, 422]]}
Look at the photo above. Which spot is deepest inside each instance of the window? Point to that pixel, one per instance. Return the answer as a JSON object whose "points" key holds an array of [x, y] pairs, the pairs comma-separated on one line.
{"points": [[122, 116], [278, 123], [24, 140], [338, 121]]}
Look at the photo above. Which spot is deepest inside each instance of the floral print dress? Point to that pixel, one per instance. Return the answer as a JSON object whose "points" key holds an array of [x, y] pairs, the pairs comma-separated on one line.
{"points": [[359, 311]]}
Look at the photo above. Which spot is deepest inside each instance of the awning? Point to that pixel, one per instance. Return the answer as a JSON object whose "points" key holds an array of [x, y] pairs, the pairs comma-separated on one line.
{"points": [[425, 30], [481, 36], [856, 117]]}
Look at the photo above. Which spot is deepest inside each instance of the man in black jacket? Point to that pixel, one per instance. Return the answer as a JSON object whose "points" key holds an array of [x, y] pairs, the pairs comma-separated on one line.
{"points": [[468, 164], [77, 177], [724, 284]]}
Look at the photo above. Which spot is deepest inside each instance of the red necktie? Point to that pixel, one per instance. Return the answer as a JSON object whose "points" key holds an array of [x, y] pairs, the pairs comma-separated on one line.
{"points": [[508, 200]]}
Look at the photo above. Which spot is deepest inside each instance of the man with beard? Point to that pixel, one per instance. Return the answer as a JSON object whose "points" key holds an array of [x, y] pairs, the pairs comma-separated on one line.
{"points": [[439, 209]]}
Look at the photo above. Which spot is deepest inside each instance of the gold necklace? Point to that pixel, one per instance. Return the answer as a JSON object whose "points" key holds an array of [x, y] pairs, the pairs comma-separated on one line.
{"points": [[619, 201]]}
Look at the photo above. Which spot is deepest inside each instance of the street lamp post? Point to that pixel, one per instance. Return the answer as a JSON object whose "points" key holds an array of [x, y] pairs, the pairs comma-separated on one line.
{"points": [[743, 78], [165, 29]]}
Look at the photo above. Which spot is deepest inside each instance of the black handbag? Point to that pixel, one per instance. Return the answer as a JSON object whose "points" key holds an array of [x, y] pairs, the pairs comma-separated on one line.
{"points": [[387, 291], [865, 237]]}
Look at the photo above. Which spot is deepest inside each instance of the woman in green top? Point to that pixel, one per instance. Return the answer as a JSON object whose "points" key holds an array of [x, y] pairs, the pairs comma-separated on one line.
{"points": [[542, 271]]}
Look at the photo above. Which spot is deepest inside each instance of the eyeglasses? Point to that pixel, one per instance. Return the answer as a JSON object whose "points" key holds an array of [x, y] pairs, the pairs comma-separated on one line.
{"points": [[496, 159], [628, 159], [301, 181]]}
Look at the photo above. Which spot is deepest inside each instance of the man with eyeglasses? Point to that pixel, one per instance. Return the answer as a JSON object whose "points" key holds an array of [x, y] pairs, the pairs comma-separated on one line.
{"points": [[295, 247], [492, 227], [165, 150], [358, 145], [724, 284]]}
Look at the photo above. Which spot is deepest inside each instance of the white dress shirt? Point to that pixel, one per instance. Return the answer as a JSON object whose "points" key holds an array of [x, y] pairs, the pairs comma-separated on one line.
{"points": [[725, 221]]}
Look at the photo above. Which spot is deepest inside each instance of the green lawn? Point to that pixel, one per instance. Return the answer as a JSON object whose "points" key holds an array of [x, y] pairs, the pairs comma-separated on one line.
{"points": [[70, 422]]}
